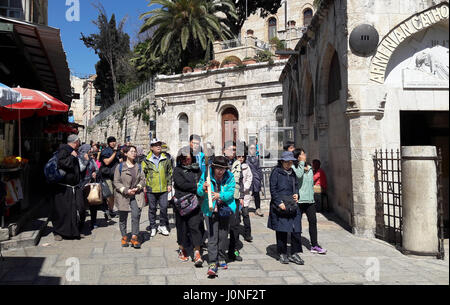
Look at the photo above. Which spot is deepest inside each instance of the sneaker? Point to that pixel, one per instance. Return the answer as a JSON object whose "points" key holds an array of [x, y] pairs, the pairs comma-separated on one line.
{"points": [[318, 250], [153, 233], [125, 242], [223, 265], [163, 231], [237, 256], [198, 262], [284, 259], [296, 259], [259, 213], [248, 239], [182, 255], [212, 270], [135, 243]]}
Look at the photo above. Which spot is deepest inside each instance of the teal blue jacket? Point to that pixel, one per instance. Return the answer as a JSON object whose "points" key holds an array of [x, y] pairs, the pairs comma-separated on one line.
{"points": [[305, 182], [226, 192]]}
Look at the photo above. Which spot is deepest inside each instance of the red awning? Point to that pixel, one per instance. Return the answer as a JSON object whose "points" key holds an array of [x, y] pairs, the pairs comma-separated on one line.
{"points": [[33, 102]]}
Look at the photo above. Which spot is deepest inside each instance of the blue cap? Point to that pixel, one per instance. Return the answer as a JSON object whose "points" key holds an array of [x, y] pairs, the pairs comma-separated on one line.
{"points": [[287, 156]]}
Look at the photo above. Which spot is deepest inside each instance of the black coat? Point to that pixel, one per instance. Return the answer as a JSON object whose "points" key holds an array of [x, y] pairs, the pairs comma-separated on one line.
{"points": [[282, 184], [68, 201], [185, 181], [253, 162]]}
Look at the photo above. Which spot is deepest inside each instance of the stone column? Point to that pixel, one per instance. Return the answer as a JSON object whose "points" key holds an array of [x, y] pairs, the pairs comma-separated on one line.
{"points": [[419, 200]]}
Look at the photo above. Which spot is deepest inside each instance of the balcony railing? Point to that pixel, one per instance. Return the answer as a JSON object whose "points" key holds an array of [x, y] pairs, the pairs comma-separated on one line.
{"points": [[244, 42]]}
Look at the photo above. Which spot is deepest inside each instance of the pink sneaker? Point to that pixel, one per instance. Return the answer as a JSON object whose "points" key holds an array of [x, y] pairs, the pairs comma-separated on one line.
{"points": [[318, 250]]}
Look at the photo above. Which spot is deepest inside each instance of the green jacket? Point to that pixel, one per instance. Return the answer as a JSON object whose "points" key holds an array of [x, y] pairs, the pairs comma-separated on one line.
{"points": [[157, 179], [305, 182]]}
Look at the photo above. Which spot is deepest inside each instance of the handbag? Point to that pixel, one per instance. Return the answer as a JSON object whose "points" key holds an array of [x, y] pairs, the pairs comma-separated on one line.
{"points": [[106, 192], [95, 196], [223, 209], [186, 204], [317, 189]]}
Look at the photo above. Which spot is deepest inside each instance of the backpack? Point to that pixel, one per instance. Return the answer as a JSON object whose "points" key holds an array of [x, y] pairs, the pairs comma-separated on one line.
{"points": [[51, 171]]}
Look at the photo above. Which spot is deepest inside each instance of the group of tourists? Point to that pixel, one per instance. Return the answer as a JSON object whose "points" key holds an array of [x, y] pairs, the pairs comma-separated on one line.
{"points": [[210, 196]]}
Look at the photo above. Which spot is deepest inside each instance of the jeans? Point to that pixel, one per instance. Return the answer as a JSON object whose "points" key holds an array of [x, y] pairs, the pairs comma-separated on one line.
{"points": [[154, 199], [188, 229], [296, 242], [235, 220], [310, 210], [246, 221], [257, 198], [218, 228], [135, 218]]}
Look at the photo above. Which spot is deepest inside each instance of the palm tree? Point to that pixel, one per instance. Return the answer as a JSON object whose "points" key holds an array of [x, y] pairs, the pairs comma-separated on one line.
{"points": [[188, 25]]}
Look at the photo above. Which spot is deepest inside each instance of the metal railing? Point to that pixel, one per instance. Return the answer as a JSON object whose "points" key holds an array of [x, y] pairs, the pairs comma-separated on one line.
{"points": [[246, 41], [136, 94], [292, 33]]}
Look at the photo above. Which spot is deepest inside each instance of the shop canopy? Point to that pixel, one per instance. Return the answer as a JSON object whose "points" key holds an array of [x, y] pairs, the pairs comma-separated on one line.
{"points": [[32, 56], [9, 96], [33, 102]]}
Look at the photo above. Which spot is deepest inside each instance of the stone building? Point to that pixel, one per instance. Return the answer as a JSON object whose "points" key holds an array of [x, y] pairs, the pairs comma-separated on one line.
{"points": [[33, 11], [346, 103], [90, 105], [288, 25], [219, 105], [77, 106]]}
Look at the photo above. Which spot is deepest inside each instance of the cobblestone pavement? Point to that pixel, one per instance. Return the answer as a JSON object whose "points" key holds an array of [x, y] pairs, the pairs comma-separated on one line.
{"points": [[350, 260]]}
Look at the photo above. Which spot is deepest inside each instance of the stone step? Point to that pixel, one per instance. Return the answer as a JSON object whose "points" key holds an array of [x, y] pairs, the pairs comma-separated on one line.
{"points": [[29, 237]]}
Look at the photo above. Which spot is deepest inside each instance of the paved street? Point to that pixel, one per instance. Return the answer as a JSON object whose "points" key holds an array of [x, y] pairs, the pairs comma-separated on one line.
{"points": [[350, 260]]}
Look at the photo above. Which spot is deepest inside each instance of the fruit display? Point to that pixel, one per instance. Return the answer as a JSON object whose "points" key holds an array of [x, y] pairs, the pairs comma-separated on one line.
{"points": [[12, 162]]}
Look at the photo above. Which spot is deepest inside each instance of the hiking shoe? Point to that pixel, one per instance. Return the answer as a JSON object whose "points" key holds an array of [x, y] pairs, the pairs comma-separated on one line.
{"points": [[58, 237], [153, 233], [125, 242], [318, 250], [223, 265], [259, 213], [212, 270], [182, 255], [284, 259], [198, 262], [135, 243], [296, 259], [163, 231]]}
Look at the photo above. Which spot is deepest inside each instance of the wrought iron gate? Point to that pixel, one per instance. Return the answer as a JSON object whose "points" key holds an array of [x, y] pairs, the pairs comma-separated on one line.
{"points": [[388, 196]]}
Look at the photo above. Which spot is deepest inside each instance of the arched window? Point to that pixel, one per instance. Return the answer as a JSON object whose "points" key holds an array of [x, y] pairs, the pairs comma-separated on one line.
{"points": [[307, 16], [279, 116], [334, 79], [272, 28], [183, 129]]}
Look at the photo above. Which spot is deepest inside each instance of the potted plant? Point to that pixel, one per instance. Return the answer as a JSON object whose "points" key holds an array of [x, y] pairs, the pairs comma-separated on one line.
{"points": [[231, 61], [248, 61], [284, 56], [199, 67], [187, 70], [263, 56], [213, 64]]}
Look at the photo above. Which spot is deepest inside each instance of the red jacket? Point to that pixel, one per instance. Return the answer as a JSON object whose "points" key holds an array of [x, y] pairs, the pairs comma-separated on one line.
{"points": [[320, 178]]}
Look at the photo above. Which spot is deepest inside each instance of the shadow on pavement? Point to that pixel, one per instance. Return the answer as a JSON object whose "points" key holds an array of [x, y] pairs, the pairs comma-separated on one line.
{"points": [[24, 271]]}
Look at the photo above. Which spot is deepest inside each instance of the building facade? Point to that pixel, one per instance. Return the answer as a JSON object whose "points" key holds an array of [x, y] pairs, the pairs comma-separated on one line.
{"points": [[344, 105], [33, 11], [76, 110], [90, 105]]}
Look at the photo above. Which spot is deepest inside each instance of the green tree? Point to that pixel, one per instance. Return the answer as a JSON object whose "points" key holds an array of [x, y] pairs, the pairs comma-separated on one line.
{"points": [[246, 8], [112, 45], [187, 27]]}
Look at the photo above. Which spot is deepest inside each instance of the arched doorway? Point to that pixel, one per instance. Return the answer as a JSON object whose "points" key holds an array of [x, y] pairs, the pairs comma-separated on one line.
{"points": [[183, 128], [307, 17], [230, 125]]}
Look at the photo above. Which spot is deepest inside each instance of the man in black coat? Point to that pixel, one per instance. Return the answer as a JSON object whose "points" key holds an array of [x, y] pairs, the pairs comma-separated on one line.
{"points": [[68, 196]]}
